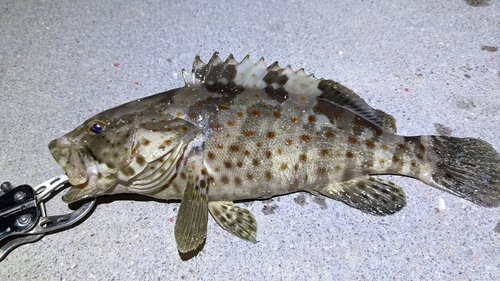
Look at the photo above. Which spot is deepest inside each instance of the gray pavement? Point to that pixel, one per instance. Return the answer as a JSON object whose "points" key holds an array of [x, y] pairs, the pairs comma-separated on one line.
{"points": [[433, 65]]}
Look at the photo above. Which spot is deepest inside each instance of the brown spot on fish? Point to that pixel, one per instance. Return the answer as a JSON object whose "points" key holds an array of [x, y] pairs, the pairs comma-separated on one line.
{"points": [[293, 119], [248, 133], [269, 154], [277, 114], [223, 107], [140, 160], [220, 146], [303, 157], [321, 171], [224, 179], [369, 143], [237, 181], [145, 142], [257, 95], [269, 175], [128, 171], [270, 135], [352, 140], [168, 142], [349, 154], [239, 164], [385, 147], [240, 114], [284, 166], [289, 141], [234, 148], [329, 134], [230, 123], [247, 152], [305, 138], [324, 152], [249, 176], [228, 164], [302, 98], [395, 158], [255, 112], [337, 168], [199, 104], [255, 162], [311, 118], [401, 146]]}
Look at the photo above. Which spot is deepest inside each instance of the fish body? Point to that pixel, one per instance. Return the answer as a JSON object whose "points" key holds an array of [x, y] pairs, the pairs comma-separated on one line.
{"points": [[243, 130]]}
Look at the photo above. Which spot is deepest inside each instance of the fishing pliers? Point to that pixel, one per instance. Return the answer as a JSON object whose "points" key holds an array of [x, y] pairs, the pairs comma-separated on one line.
{"points": [[23, 216]]}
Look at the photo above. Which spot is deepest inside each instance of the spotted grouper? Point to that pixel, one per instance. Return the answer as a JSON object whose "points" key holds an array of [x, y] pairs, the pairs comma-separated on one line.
{"points": [[244, 130]]}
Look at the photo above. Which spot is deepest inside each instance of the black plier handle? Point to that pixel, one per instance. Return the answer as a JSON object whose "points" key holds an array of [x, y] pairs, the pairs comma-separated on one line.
{"points": [[23, 217]]}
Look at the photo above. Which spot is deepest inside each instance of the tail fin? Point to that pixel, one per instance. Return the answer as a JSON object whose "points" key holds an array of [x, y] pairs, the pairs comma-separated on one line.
{"points": [[466, 167]]}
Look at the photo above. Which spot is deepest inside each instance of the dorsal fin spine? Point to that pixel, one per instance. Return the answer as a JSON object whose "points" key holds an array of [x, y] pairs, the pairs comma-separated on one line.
{"points": [[259, 75]]}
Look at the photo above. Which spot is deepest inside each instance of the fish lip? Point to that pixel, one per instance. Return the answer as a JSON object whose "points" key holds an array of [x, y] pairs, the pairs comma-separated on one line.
{"points": [[80, 167]]}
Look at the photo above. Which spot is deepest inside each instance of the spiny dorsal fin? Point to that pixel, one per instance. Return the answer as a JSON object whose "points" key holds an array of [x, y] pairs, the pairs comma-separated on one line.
{"points": [[280, 81]]}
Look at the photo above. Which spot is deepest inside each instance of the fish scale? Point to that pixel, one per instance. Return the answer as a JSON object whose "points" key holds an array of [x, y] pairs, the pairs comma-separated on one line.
{"points": [[244, 130]]}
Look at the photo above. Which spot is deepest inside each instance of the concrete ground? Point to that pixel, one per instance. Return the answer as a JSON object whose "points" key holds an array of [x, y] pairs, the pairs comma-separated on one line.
{"points": [[433, 65]]}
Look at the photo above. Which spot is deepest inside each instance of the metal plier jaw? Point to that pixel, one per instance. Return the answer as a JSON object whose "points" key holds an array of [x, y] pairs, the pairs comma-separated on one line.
{"points": [[23, 217]]}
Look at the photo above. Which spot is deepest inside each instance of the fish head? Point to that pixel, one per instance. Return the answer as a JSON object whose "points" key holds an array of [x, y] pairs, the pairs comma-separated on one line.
{"points": [[92, 152], [129, 149]]}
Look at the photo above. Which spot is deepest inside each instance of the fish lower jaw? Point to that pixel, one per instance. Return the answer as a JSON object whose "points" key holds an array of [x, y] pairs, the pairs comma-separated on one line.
{"points": [[83, 180]]}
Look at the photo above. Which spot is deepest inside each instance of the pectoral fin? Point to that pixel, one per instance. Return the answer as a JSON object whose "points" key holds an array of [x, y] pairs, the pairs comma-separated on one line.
{"points": [[236, 220], [191, 226], [371, 195]]}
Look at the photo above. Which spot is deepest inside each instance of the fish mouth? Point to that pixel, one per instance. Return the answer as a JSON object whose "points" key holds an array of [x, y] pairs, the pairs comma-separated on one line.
{"points": [[80, 167]]}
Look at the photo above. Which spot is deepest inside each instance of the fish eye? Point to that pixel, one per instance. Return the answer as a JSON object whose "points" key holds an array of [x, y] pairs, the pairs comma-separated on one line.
{"points": [[95, 127]]}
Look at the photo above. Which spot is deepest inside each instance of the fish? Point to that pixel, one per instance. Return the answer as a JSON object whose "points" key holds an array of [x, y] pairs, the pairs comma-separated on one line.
{"points": [[243, 130]]}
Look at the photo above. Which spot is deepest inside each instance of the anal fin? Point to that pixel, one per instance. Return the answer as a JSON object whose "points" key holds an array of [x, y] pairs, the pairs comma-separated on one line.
{"points": [[234, 219], [371, 195], [191, 226]]}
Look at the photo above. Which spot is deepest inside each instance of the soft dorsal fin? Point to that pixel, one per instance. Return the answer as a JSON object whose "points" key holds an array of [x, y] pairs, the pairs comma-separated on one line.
{"points": [[285, 80]]}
